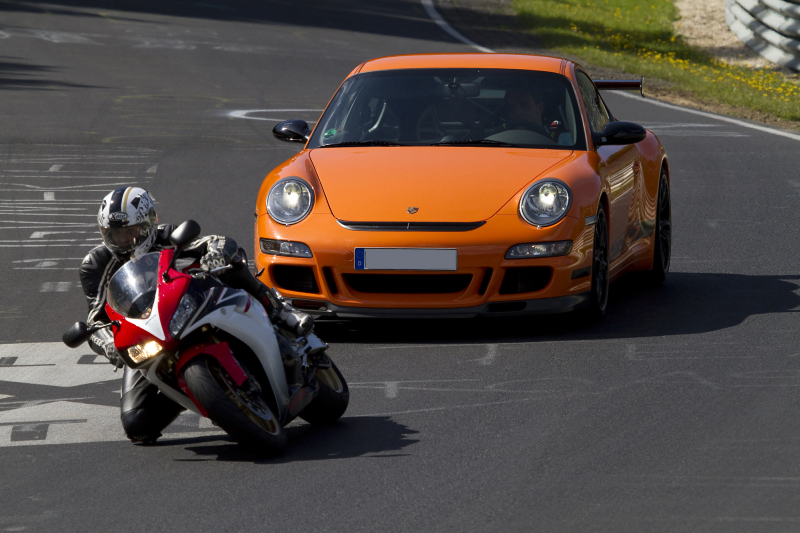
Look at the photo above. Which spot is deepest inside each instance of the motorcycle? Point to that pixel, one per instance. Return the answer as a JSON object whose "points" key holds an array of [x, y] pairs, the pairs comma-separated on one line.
{"points": [[214, 350]]}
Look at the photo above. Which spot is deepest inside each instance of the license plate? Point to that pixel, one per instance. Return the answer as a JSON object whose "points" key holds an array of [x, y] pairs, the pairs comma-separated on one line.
{"points": [[406, 259]]}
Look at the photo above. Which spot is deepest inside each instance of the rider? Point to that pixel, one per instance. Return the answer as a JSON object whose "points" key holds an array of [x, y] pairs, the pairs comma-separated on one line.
{"points": [[129, 227]]}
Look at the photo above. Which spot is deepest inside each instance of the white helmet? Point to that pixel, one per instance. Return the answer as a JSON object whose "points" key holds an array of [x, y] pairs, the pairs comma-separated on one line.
{"points": [[128, 222]]}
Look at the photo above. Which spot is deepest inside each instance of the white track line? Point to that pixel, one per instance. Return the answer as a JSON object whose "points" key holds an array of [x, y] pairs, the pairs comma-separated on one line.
{"points": [[738, 122], [437, 18]]}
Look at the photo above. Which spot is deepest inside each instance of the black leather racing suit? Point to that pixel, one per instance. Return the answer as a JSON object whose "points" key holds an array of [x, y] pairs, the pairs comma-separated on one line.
{"points": [[143, 409]]}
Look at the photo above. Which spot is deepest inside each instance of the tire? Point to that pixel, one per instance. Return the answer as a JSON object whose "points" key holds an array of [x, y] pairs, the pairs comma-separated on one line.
{"points": [[662, 234], [334, 396], [245, 417], [598, 301]]}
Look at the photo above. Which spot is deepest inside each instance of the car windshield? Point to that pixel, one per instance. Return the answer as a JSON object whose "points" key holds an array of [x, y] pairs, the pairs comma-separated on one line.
{"points": [[453, 107], [132, 289]]}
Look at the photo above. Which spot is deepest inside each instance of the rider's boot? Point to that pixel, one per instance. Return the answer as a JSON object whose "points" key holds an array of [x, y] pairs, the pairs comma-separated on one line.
{"points": [[284, 315]]}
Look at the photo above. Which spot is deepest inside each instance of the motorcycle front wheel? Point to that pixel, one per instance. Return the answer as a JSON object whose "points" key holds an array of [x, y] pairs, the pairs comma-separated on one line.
{"points": [[333, 398], [244, 416]]}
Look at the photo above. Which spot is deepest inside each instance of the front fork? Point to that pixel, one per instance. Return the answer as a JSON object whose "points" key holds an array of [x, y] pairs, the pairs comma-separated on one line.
{"points": [[302, 356]]}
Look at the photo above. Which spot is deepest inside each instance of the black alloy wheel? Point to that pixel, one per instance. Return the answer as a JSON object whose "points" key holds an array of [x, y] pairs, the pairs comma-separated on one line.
{"points": [[662, 246], [240, 411], [600, 277]]}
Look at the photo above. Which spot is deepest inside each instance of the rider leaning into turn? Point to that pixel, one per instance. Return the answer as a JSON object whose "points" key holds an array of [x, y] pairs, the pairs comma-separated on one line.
{"points": [[130, 229]]}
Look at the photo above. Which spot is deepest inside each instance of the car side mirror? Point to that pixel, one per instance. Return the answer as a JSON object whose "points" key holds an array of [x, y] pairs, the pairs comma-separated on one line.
{"points": [[620, 133], [293, 131], [185, 233], [76, 335]]}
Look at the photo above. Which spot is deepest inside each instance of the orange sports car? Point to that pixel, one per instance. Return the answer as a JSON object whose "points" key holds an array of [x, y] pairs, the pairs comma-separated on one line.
{"points": [[457, 185]]}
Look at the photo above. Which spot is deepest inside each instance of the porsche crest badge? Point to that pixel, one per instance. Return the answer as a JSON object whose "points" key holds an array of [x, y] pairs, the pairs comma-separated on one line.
{"points": [[412, 210]]}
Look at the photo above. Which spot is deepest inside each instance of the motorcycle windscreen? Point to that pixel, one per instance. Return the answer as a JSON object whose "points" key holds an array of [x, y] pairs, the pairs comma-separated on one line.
{"points": [[132, 289]]}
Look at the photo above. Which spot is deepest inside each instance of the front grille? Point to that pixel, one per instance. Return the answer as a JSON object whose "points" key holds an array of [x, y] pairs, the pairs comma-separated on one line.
{"points": [[295, 278], [525, 279], [411, 226], [408, 283]]}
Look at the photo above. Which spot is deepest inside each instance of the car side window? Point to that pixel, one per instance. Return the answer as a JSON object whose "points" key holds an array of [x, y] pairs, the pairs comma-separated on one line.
{"points": [[595, 109]]}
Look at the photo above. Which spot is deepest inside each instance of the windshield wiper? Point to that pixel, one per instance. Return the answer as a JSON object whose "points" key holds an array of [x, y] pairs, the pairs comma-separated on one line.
{"points": [[363, 143], [470, 142]]}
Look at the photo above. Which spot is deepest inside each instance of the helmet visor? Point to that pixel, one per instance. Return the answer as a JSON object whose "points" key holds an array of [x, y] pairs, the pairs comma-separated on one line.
{"points": [[125, 240]]}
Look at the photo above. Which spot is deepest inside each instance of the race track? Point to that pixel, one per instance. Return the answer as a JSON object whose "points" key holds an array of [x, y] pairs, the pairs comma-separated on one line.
{"points": [[679, 412]]}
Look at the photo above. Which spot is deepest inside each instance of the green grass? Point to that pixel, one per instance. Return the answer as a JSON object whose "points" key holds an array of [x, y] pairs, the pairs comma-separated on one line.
{"points": [[637, 36]]}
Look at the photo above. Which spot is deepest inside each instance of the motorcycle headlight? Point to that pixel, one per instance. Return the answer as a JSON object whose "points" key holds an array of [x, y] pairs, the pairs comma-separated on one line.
{"points": [[142, 352], [183, 313], [545, 202], [290, 200]]}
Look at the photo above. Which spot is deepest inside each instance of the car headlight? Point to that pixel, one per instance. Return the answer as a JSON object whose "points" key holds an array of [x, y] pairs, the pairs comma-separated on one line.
{"points": [[290, 200], [183, 313], [142, 352], [545, 202]]}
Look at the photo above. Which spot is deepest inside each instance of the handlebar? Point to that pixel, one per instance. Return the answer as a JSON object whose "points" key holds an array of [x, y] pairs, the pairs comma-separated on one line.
{"points": [[200, 273]]}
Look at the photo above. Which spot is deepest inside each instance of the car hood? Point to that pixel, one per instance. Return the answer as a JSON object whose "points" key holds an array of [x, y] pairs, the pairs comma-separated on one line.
{"points": [[444, 183]]}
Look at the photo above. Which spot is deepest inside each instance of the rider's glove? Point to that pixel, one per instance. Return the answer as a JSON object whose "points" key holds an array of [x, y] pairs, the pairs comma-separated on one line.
{"points": [[215, 256]]}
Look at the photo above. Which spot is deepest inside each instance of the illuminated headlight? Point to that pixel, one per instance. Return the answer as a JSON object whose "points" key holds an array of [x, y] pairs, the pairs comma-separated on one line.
{"points": [[539, 249], [294, 249], [290, 200], [142, 352], [183, 313], [545, 202]]}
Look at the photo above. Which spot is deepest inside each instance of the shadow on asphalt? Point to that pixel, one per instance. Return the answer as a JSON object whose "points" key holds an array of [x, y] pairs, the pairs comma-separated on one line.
{"points": [[687, 303], [400, 18], [349, 438], [15, 75]]}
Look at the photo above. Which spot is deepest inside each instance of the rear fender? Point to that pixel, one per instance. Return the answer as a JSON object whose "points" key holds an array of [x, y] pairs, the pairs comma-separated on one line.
{"points": [[240, 315], [222, 353]]}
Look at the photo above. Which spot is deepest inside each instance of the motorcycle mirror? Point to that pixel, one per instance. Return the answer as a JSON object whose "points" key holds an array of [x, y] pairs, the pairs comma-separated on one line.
{"points": [[76, 335], [185, 233]]}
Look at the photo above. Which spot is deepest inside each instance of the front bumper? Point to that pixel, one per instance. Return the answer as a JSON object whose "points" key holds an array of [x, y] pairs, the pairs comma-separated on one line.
{"points": [[539, 306], [481, 287]]}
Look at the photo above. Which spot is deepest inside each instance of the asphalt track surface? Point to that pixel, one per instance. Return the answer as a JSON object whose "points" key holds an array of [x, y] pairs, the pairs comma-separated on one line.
{"points": [[677, 413]]}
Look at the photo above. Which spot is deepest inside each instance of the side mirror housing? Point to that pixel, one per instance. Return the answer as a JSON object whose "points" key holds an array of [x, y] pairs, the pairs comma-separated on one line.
{"points": [[76, 335], [293, 131], [620, 133], [185, 233]]}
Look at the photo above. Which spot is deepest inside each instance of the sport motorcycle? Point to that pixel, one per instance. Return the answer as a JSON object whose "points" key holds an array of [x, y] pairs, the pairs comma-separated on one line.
{"points": [[215, 351]]}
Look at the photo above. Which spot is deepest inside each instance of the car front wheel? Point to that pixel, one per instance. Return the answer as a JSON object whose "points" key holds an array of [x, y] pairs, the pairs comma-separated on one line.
{"points": [[598, 301]]}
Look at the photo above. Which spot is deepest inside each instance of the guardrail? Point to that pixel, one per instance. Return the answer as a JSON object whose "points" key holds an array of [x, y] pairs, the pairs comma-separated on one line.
{"points": [[770, 27]]}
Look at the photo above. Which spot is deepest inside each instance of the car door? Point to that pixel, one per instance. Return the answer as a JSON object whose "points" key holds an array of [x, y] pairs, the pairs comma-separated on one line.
{"points": [[617, 168]]}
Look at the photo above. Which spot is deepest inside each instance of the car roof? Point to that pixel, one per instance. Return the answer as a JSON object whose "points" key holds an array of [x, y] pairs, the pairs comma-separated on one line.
{"points": [[501, 61]]}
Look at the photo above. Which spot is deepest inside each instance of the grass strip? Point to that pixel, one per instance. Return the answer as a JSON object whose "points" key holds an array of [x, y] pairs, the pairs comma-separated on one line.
{"points": [[637, 36]]}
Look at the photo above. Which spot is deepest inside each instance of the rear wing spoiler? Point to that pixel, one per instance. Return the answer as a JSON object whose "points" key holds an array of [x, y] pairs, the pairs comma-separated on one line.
{"points": [[620, 85]]}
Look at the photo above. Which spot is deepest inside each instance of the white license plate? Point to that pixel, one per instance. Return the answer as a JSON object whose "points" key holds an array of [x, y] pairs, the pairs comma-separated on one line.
{"points": [[406, 259]]}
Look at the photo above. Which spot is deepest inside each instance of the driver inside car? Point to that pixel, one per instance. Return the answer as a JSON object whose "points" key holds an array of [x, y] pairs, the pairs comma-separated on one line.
{"points": [[130, 229], [524, 110]]}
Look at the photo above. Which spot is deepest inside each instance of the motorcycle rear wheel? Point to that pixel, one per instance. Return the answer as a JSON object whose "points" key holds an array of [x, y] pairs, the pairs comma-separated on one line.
{"points": [[333, 398], [245, 417]]}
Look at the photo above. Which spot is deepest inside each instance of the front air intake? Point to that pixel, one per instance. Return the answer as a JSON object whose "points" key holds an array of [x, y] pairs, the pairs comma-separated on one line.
{"points": [[525, 279], [295, 278], [408, 283]]}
